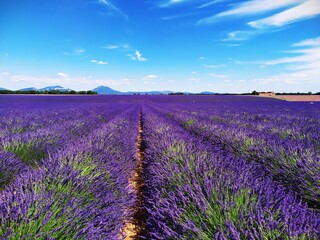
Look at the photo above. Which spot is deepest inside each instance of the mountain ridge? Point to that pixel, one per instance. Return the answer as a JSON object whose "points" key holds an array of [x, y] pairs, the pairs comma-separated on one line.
{"points": [[105, 90]]}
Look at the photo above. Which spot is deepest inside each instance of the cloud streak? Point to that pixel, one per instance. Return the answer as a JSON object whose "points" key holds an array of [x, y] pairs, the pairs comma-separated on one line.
{"points": [[301, 12], [75, 52], [211, 3], [18, 81], [99, 62], [289, 12], [218, 75], [170, 3], [136, 56], [122, 47], [300, 69], [113, 8]]}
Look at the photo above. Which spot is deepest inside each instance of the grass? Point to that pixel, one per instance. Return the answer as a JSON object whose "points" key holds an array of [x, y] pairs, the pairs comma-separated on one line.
{"points": [[29, 152]]}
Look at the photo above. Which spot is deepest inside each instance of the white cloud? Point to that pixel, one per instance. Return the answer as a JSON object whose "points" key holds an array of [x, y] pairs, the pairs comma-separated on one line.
{"points": [[131, 56], [288, 12], [110, 46], [211, 3], [113, 8], [123, 47], [79, 50], [150, 77], [308, 42], [5, 74], [63, 75], [257, 6], [102, 63], [195, 80], [300, 69], [139, 56], [136, 56], [75, 52], [240, 36], [170, 3], [18, 81], [202, 58], [214, 66], [306, 9], [308, 56], [99, 62], [218, 75]]}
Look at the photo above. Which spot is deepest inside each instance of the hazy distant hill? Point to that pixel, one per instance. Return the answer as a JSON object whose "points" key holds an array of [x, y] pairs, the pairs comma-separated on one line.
{"points": [[56, 88], [28, 89], [106, 90], [208, 93]]}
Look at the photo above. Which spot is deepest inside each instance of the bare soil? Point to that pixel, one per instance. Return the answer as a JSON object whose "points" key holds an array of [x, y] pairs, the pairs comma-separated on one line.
{"points": [[135, 228], [298, 98]]}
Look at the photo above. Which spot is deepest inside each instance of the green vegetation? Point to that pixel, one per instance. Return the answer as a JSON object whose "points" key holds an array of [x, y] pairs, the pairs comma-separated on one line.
{"points": [[48, 92]]}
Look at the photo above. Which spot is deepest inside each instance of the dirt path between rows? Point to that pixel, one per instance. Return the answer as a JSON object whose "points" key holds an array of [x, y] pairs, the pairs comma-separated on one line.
{"points": [[135, 228]]}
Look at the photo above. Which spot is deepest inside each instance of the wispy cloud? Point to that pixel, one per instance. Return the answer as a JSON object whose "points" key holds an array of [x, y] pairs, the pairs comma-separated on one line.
{"points": [[238, 36], [136, 56], [63, 75], [214, 66], [109, 46], [139, 56], [301, 68], [113, 8], [122, 47], [75, 52], [99, 62], [218, 75], [18, 81], [307, 9], [150, 79], [211, 3], [194, 79], [289, 11], [177, 16], [131, 56], [164, 4], [308, 42], [254, 7]]}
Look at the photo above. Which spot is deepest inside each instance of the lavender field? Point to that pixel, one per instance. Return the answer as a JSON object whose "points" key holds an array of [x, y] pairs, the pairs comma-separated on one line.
{"points": [[159, 167]]}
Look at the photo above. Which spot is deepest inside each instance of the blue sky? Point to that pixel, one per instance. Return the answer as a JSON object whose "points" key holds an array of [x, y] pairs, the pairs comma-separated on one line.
{"points": [[179, 45]]}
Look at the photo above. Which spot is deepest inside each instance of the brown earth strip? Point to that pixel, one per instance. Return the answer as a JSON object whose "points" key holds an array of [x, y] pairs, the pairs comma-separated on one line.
{"points": [[135, 228]]}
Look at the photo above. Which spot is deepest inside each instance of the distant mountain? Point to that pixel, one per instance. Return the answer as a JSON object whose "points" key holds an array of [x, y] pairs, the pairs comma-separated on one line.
{"points": [[104, 90], [28, 89], [150, 93], [208, 93], [107, 91], [57, 88]]}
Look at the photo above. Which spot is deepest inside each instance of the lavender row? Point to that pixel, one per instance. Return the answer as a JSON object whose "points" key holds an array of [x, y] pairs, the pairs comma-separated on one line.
{"points": [[33, 147], [80, 192], [293, 162], [196, 191]]}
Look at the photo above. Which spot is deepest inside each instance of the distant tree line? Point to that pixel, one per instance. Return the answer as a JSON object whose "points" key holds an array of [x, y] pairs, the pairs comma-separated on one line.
{"points": [[299, 93], [48, 92], [284, 93]]}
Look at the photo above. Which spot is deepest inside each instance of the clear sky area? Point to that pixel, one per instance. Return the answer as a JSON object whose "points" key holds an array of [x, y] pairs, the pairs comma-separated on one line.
{"points": [[177, 45]]}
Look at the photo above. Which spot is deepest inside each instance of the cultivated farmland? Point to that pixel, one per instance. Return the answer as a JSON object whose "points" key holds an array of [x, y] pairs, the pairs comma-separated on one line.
{"points": [[159, 167]]}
